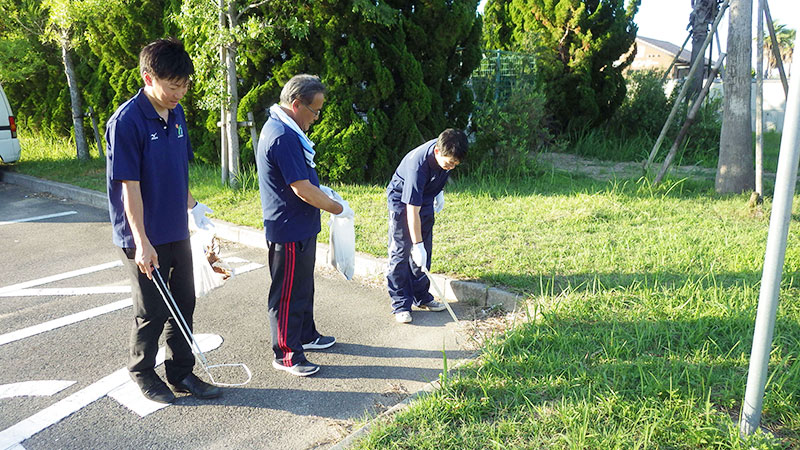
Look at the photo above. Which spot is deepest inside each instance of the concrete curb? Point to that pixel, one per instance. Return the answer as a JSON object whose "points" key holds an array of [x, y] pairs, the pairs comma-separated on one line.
{"points": [[78, 194], [366, 266]]}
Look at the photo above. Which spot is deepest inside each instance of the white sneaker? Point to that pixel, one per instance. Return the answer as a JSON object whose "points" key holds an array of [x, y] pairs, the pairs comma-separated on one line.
{"points": [[403, 317]]}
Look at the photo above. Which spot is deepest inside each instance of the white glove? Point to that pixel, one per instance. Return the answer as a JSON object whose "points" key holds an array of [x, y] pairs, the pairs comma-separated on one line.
{"points": [[347, 212], [418, 254], [198, 219], [328, 191], [438, 202]]}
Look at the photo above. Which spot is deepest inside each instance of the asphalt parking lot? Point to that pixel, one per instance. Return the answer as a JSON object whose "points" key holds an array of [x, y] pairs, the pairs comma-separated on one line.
{"points": [[64, 321]]}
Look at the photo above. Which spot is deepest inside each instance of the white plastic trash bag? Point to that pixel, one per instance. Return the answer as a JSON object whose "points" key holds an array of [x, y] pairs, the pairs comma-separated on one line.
{"points": [[342, 242], [342, 248], [205, 278]]}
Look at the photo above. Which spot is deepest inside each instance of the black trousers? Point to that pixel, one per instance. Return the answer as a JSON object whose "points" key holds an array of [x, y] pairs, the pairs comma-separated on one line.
{"points": [[151, 315], [291, 298]]}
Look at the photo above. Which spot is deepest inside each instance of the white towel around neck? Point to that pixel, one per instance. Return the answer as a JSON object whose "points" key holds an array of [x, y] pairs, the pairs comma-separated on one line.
{"points": [[308, 146]]}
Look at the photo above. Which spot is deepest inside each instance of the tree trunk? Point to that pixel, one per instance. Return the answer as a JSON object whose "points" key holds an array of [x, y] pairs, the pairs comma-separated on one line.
{"points": [[735, 166], [222, 110], [233, 105], [75, 99]]}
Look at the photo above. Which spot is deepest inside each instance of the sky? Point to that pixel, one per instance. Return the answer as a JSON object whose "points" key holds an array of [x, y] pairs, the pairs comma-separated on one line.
{"points": [[666, 20]]}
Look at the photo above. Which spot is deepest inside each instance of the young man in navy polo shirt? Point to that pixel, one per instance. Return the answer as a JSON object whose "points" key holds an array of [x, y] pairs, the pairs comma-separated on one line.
{"points": [[413, 195], [290, 202], [148, 197]]}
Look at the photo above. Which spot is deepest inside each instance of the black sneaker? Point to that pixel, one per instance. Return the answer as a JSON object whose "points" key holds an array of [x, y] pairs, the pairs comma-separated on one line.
{"points": [[197, 387], [158, 392], [322, 342], [303, 369]]}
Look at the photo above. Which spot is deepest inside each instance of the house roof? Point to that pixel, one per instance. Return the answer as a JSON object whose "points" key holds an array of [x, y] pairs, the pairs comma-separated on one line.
{"points": [[685, 55]]}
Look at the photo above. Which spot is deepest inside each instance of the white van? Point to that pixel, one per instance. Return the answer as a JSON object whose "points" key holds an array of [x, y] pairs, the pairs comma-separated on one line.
{"points": [[9, 144]]}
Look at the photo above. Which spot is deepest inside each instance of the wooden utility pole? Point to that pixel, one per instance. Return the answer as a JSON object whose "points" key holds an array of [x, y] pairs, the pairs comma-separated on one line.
{"points": [[689, 120], [682, 94]]}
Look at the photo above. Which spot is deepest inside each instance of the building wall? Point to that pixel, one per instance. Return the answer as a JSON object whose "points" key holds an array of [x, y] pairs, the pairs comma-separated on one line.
{"points": [[774, 104], [649, 57]]}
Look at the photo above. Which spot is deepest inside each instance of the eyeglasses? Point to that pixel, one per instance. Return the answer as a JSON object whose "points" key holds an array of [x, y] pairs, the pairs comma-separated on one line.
{"points": [[316, 112]]}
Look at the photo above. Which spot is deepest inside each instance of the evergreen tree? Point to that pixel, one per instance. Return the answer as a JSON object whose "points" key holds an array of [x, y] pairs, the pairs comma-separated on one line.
{"points": [[578, 45], [395, 72]]}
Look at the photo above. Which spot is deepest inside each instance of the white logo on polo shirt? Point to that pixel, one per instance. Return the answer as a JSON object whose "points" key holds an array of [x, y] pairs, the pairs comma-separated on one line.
{"points": [[154, 137]]}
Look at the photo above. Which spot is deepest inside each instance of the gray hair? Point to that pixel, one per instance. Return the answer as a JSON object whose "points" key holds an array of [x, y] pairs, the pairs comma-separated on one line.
{"points": [[303, 87]]}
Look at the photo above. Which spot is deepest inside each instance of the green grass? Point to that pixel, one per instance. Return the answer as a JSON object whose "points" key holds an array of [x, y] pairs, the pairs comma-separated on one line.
{"points": [[54, 158], [772, 145], [647, 298]]}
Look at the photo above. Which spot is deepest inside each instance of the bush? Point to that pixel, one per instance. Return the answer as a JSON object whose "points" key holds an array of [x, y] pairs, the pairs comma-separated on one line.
{"points": [[631, 133], [645, 108], [509, 132]]}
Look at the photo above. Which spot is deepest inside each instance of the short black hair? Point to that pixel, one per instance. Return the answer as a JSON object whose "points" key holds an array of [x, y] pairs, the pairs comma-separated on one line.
{"points": [[303, 87], [452, 142], [166, 59]]}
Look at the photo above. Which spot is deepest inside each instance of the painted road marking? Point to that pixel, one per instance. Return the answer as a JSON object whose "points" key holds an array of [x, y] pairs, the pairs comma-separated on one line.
{"points": [[63, 321], [32, 219], [46, 292], [61, 276], [14, 435], [247, 268], [41, 388], [14, 290], [131, 397]]}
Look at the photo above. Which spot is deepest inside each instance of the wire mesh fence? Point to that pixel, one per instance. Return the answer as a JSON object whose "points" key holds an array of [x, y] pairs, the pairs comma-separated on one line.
{"points": [[498, 73]]}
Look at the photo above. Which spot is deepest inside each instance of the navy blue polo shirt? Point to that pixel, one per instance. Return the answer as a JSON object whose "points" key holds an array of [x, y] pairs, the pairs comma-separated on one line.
{"points": [[142, 147], [281, 162], [417, 180]]}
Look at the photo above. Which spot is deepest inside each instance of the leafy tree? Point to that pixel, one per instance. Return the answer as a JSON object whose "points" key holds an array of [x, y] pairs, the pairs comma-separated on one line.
{"points": [[30, 70], [65, 22], [785, 36], [578, 44], [395, 73], [111, 66], [214, 34]]}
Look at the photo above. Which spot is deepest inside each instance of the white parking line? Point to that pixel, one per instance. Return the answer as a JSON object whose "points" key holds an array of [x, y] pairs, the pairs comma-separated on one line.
{"points": [[63, 321], [46, 292], [13, 436], [31, 219], [60, 276], [247, 268], [41, 388]]}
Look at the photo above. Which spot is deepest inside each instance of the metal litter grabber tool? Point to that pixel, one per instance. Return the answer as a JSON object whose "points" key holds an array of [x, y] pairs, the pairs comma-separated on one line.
{"points": [[187, 334], [441, 295]]}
